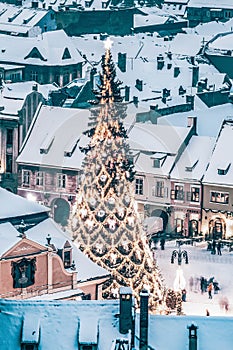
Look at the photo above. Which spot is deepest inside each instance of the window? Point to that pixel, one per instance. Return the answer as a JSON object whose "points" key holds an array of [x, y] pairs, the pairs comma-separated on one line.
{"points": [[66, 54], [224, 170], [219, 197], [158, 189], [66, 78], [9, 163], [61, 180], [9, 137], [178, 193], [29, 346], [14, 77], [39, 178], [139, 186], [34, 75], [195, 194], [67, 258], [26, 177], [156, 163]]}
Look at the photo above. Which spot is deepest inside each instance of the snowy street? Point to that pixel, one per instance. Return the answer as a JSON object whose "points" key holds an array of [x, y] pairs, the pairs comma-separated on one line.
{"points": [[201, 263]]}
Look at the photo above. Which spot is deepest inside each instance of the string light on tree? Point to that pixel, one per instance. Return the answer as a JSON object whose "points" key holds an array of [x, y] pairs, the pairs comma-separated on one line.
{"points": [[105, 222]]}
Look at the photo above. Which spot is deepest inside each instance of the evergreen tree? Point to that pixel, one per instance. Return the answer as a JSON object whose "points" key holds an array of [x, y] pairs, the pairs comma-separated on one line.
{"points": [[105, 222]]}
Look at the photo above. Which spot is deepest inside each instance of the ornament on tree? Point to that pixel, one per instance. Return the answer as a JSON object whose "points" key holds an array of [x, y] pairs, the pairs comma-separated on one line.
{"points": [[112, 234]]}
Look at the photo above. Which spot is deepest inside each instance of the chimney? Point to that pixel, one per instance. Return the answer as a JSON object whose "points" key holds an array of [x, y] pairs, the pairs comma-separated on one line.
{"points": [[35, 4], [169, 55], [122, 61], [35, 87], [166, 93], [144, 296], [192, 337], [176, 71], [138, 84], [195, 76], [192, 123], [126, 316], [190, 100], [135, 101], [127, 91], [182, 91], [160, 62], [48, 238]]}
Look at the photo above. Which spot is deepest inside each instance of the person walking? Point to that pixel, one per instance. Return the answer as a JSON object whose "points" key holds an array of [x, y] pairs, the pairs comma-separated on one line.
{"points": [[202, 285], [184, 293], [209, 289], [191, 283], [162, 243], [213, 247], [219, 248]]}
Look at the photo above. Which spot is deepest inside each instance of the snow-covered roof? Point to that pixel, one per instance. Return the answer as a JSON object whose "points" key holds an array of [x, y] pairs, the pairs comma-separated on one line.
{"points": [[21, 89], [10, 108], [220, 170], [50, 46], [61, 323], [151, 16], [209, 120], [157, 138], [59, 129], [142, 53], [211, 4], [22, 17], [208, 30], [193, 161], [221, 43], [12, 206], [9, 236], [64, 319], [60, 132]]}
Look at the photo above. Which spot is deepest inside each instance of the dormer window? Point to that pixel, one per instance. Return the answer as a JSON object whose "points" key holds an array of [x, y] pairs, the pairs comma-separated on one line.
{"points": [[66, 54], [224, 170], [158, 159], [67, 254], [30, 333], [35, 53], [190, 168]]}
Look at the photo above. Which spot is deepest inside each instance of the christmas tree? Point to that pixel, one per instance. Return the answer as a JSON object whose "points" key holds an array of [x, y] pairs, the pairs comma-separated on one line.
{"points": [[105, 222]]}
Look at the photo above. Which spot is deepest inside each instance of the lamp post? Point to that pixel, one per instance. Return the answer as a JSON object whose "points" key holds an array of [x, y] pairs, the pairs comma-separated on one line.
{"points": [[179, 254], [179, 282]]}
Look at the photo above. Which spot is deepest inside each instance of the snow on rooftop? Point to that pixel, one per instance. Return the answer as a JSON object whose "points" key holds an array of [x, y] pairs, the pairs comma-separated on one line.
{"points": [[209, 120], [59, 125], [220, 170], [222, 42], [51, 46], [12, 206], [156, 138], [211, 4], [30, 329], [193, 161], [21, 89], [60, 321], [9, 236]]}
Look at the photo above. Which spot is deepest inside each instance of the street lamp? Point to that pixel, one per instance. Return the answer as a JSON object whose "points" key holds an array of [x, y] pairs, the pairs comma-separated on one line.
{"points": [[179, 254], [179, 283]]}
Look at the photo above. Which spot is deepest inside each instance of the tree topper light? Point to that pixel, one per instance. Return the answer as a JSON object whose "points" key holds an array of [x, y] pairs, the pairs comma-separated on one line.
{"points": [[108, 43]]}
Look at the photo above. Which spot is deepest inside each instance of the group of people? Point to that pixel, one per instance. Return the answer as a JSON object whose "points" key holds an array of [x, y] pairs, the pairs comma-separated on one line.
{"points": [[216, 245], [209, 286]]}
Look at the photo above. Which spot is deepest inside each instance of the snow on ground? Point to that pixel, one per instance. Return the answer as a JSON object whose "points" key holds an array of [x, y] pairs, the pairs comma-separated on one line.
{"points": [[201, 263]]}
